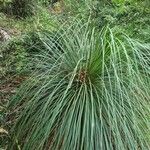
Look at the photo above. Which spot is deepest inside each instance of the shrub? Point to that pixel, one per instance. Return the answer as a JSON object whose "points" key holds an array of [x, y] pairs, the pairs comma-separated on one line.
{"points": [[5, 6], [13, 58], [91, 94], [23, 8], [132, 16]]}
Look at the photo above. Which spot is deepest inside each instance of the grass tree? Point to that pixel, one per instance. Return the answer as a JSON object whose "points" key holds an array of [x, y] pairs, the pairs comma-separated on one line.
{"points": [[90, 91]]}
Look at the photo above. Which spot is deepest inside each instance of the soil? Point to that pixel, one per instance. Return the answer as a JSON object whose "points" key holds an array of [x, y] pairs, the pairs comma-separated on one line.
{"points": [[8, 87]]}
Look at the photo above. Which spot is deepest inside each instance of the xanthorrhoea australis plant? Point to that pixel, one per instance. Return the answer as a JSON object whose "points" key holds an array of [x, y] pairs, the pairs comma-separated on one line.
{"points": [[90, 92]]}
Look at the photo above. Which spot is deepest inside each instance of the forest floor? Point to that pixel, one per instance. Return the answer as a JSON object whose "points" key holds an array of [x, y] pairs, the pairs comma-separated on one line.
{"points": [[15, 28]]}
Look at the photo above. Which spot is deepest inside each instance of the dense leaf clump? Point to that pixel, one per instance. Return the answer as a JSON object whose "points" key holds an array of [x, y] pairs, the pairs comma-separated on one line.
{"points": [[23, 8], [90, 91]]}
